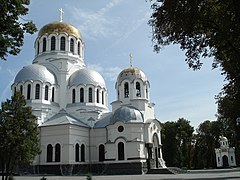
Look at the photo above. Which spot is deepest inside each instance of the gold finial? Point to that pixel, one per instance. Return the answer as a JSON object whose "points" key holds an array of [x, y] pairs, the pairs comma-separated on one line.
{"points": [[130, 55], [61, 14]]}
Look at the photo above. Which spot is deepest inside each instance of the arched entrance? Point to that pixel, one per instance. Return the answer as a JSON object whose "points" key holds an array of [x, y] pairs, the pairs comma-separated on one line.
{"points": [[225, 161], [156, 149]]}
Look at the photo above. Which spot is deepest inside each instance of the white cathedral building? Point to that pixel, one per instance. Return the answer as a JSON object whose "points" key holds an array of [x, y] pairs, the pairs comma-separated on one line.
{"points": [[78, 133]]}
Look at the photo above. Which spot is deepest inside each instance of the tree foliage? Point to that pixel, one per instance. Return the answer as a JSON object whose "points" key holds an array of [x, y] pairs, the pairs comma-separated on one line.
{"points": [[13, 26], [176, 139], [18, 133], [205, 28], [206, 140]]}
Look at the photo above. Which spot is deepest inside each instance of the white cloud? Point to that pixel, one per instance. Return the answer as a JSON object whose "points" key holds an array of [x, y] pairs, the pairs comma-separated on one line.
{"points": [[108, 73], [96, 24]]}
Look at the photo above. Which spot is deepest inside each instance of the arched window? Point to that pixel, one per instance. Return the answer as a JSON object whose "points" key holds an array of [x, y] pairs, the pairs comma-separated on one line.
{"points": [[49, 153], [90, 95], [53, 43], [38, 47], [120, 151], [97, 95], [46, 92], [72, 45], [81, 95], [29, 91], [78, 48], [126, 90], [21, 89], [73, 96], [82, 153], [101, 152], [146, 92], [138, 89], [37, 91], [62, 43], [77, 152], [57, 153], [53, 94], [44, 45], [102, 97]]}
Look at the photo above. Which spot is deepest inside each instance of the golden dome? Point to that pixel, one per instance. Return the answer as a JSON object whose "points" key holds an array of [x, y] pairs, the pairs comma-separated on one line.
{"points": [[131, 73], [59, 27]]}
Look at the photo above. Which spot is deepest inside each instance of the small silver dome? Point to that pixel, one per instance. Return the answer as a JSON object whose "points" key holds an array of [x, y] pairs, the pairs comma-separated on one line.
{"points": [[131, 74], [86, 76], [35, 72], [126, 114]]}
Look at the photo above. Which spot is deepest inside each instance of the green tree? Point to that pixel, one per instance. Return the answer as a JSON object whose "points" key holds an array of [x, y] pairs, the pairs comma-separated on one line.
{"points": [[18, 133], [207, 139], [176, 140], [205, 28], [184, 136], [13, 26]]}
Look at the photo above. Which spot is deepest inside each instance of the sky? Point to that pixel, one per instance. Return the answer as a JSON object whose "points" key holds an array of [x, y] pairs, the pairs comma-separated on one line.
{"points": [[111, 30]]}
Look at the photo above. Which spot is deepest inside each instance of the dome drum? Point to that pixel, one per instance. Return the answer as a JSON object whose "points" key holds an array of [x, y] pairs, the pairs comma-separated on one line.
{"points": [[59, 37]]}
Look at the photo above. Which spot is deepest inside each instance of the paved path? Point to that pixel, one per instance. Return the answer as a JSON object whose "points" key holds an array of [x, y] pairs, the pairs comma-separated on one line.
{"points": [[231, 174]]}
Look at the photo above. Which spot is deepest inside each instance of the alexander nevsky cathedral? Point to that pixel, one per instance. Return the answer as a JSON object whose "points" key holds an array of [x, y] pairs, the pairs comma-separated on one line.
{"points": [[78, 132]]}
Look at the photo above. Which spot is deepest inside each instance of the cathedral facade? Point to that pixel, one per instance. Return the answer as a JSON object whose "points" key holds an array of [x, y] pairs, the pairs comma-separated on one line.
{"points": [[78, 133]]}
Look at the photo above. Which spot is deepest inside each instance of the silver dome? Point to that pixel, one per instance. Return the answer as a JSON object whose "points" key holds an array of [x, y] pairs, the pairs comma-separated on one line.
{"points": [[35, 72], [126, 114], [86, 76], [131, 74]]}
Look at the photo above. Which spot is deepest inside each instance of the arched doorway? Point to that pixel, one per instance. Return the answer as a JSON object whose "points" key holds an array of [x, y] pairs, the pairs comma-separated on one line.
{"points": [[101, 153], [156, 149], [225, 161], [120, 151]]}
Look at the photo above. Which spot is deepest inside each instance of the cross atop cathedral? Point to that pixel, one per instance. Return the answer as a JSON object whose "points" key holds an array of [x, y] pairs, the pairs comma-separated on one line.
{"points": [[130, 55], [61, 14]]}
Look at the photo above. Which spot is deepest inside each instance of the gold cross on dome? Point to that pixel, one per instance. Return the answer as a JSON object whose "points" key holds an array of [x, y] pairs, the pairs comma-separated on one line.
{"points": [[130, 55], [61, 14]]}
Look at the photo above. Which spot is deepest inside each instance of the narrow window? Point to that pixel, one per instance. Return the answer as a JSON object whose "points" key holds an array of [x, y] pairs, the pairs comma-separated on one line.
{"points": [[73, 96], [53, 43], [97, 95], [90, 95], [62, 44], [57, 153], [53, 94], [120, 151], [49, 153], [101, 152], [77, 152], [78, 48], [37, 91], [21, 89], [46, 92], [126, 90], [15, 90], [146, 92], [72, 45], [81, 95], [102, 97], [44, 44], [38, 47], [29, 91], [82, 153], [138, 89]]}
